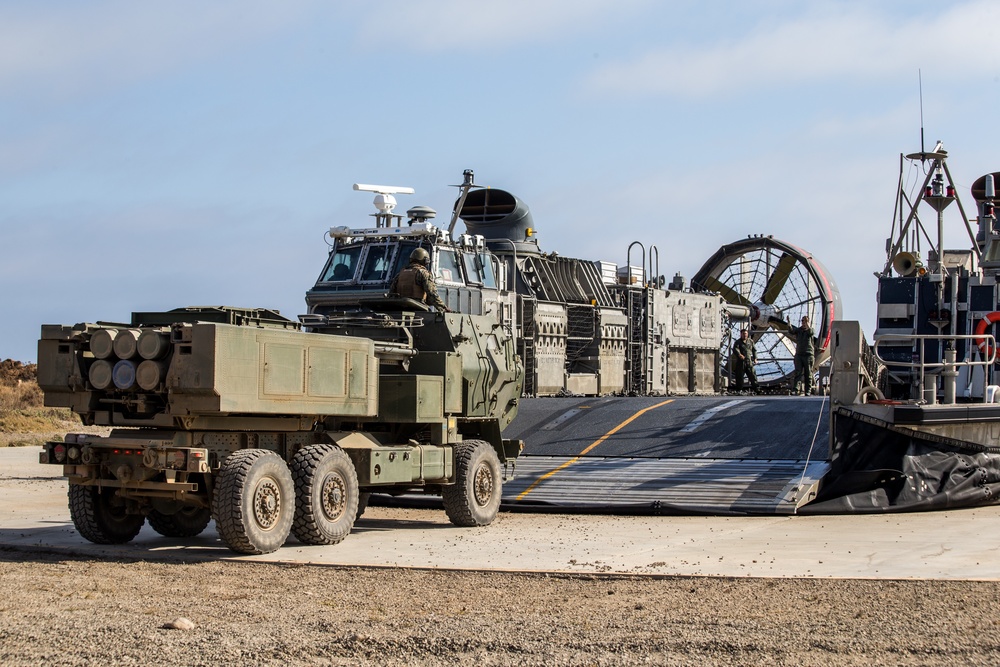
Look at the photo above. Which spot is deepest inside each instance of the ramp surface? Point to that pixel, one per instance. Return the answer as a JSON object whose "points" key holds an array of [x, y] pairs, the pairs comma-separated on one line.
{"points": [[717, 455]]}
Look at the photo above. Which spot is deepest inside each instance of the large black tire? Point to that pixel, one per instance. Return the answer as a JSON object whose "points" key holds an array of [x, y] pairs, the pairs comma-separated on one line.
{"points": [[474, 498], [101, 516], [187, 521], [254, 504], [326, 494]]}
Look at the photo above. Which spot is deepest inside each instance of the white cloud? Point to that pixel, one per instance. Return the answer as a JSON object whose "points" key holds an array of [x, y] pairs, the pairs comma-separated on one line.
{"points": [[82, 45], [450, 24], [853, 41]]}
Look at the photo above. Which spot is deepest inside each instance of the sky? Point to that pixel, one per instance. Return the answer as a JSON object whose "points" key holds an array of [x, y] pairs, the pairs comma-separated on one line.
{"points": [[159, 155]]}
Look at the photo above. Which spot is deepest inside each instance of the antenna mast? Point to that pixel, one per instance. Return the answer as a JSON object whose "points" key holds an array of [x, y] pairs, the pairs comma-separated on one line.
{"points": [[920, 87]]}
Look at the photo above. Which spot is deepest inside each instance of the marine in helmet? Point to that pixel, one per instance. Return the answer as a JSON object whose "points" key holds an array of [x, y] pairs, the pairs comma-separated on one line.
{"points": [[805, 356], [416, 281], [744, 358]]}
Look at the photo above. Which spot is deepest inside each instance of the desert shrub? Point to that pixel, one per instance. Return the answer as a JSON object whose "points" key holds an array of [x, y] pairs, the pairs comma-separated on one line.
{"points": [[23, 419], [20, 396], [13, 373], [18, 386]]}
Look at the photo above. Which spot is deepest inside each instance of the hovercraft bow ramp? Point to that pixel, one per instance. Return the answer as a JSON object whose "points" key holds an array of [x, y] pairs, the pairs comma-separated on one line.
{"points": [[691, 454]]}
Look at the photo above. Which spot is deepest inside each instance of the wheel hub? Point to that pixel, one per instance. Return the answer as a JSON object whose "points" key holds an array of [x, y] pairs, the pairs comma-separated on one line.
{"points": [[267, 503], [482, 485], [334, 497]]}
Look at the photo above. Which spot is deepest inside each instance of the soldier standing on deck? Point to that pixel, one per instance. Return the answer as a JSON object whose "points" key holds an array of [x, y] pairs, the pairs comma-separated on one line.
{"points": [[416, 281], [744, 358], [805, 355]]}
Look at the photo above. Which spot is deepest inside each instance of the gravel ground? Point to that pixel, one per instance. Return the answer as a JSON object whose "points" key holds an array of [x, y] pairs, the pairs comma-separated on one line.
{"points": [[64, 611]]}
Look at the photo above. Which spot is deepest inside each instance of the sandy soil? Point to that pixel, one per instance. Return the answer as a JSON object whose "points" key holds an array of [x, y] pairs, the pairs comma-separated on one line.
{"points": [[64, 611]]}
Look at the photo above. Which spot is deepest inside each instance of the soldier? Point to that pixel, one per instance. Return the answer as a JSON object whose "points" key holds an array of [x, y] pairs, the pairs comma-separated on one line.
{"points": [[416, 282], [804, 355], [744, 358]]}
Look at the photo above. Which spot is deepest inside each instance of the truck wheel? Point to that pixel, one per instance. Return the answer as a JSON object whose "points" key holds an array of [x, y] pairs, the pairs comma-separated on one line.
{"points": [[474, 498], [326, 494], [253, 502], [188, 521], [100, 515]]}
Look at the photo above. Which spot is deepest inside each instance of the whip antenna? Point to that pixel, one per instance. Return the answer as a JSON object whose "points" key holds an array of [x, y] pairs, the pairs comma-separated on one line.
{"points": [[920, 87]]}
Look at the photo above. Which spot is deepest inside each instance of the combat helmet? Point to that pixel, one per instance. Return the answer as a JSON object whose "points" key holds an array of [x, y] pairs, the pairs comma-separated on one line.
{"points": [[420, 256]]}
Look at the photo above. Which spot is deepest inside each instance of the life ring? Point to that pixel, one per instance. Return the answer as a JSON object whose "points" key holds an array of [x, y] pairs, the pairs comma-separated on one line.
{"points": [[984, 347]]}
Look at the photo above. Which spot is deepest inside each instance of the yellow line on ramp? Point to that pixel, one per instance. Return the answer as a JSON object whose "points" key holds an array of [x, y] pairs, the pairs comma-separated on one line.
{"points": [[590, 447]]}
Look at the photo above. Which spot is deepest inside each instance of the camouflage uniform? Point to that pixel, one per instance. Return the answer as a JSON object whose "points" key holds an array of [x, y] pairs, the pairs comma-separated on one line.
{"points": [[416, 282], [744, 357], [805, 356]]}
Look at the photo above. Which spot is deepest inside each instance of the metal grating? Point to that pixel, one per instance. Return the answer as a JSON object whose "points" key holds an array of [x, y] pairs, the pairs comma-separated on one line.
{"points": [[700, 485]]}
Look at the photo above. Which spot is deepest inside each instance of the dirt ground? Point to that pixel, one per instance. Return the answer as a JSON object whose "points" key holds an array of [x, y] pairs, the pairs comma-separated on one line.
{"points": [[60, 610]]}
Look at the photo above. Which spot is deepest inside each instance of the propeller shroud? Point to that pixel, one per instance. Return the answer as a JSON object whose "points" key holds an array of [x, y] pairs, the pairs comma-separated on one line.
{"points": [[779, 283]]}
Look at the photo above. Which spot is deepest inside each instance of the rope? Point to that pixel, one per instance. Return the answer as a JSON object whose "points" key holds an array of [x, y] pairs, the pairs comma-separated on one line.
{"points": [[819, 420]]}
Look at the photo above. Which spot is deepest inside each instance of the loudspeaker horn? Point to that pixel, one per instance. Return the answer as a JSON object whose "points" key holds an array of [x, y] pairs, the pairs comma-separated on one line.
{"points": [[906, 264]]}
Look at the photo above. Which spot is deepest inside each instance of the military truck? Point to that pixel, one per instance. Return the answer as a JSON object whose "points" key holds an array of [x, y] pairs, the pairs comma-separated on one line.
{"points": [[242, 416]]}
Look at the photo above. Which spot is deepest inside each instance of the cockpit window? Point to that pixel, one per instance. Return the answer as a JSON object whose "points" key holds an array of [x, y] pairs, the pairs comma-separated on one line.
{"points": [[378, 265], [479, 269], [403, 258], [342, 264], [447, 267], [489, 274]]}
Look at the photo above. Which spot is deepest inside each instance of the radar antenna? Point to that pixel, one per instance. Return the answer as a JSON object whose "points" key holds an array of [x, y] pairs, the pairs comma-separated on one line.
{"points": [[384, 201]]}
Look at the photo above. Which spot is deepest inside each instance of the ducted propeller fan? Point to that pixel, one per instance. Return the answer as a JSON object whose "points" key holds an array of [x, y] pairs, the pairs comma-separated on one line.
{"points": [[778, 283]]}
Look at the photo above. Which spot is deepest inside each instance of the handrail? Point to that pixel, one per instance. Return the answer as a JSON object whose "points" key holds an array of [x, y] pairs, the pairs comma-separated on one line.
{"points": [[990, 339], [628, 262], [654, 273], [510, 284], [944, 366]]}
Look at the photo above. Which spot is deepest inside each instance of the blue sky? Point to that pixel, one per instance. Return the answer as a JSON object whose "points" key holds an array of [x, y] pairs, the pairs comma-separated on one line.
{"points": [[156, 155]]}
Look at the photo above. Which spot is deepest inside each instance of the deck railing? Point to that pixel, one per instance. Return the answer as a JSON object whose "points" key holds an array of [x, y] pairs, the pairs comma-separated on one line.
{"points": [[947, 368]]}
